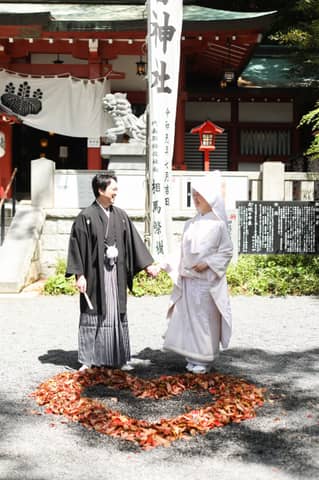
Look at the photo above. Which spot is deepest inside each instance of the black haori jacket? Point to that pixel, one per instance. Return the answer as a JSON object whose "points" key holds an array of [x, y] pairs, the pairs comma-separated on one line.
{"points": [[86, 254]]}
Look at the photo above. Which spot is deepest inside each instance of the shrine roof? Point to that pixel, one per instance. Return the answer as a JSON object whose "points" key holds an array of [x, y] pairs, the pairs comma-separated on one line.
{"points": [[278, 66], [120, 16]]}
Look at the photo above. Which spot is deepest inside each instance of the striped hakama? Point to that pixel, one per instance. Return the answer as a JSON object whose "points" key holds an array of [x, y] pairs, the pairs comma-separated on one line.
{"points": [[104, 341]]}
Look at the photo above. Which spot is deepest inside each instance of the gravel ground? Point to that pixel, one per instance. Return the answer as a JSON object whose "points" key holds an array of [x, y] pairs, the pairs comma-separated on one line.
{"points": [[274, 344]]}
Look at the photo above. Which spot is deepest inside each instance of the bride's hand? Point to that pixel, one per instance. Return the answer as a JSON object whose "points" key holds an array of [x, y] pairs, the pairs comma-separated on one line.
{"points": [[200, 267]]}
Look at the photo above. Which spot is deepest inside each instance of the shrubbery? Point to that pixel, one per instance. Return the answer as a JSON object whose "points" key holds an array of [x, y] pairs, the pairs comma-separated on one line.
{"points": [[59, 285], [252, 275], [274, 275], [145, 285]]}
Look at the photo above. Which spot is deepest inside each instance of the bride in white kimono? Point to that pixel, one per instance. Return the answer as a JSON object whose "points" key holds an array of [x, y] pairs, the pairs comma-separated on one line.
{"points": [[199, 313]]}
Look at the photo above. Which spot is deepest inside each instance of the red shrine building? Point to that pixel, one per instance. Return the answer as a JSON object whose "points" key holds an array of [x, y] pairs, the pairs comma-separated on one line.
{"points": [[90, 42]]}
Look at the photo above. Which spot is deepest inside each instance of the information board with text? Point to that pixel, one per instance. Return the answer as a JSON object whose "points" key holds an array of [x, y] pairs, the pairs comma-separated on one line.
{"points": [[278, 227]]}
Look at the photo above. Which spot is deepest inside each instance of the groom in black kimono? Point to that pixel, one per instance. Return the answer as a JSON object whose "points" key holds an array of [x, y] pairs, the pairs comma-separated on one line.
{"points": [[105, 252]]}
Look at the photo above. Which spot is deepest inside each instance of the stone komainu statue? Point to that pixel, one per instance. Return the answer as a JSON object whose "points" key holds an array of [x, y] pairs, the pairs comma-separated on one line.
{"points": [[125, 122]]}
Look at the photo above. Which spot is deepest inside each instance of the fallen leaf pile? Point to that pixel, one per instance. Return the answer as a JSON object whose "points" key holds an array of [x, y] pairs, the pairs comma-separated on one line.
{"points": [[233, 400]]}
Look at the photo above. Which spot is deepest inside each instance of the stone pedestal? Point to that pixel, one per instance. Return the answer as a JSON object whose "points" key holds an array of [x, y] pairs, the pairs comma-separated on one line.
{"points": [[125, 156]]}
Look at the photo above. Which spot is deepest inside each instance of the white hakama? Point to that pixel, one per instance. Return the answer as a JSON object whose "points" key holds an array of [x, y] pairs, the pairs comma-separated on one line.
{"points": [[194, 326]]}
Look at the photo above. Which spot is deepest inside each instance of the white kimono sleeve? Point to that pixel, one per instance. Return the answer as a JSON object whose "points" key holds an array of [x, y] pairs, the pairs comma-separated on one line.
{"points": [[219, 260]]}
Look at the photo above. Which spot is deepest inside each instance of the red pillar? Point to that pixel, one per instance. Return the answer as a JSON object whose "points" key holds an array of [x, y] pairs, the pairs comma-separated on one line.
{"points": [[94, 160], [6, 167]]}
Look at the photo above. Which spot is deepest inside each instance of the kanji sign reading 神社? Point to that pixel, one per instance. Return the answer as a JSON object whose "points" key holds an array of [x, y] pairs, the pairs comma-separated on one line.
{"points": [[164, 34]]}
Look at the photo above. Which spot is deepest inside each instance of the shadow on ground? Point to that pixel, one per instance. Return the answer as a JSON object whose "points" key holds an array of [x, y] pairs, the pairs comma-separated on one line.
{"points": [[14, 416], [283, 436], [63, 358]]}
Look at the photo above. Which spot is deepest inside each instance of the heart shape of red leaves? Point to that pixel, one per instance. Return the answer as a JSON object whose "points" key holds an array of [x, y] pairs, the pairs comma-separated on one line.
{"points": [[234, 400]]}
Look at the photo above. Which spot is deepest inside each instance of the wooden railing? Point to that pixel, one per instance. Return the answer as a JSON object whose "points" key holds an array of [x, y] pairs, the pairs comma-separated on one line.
{"points": [[11, 185]]}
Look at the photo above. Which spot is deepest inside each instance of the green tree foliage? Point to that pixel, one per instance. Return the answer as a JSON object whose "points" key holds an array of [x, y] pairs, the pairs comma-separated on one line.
{"points": [[312, 118], [297, 26]]}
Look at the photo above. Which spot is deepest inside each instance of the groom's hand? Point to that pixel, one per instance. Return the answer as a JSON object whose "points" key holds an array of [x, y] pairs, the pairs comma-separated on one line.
{"points": [[152, 270], [81, 283]]}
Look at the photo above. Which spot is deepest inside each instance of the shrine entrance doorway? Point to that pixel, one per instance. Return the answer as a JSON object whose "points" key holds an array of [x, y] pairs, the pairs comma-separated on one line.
{"points": [[30, 143]]}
